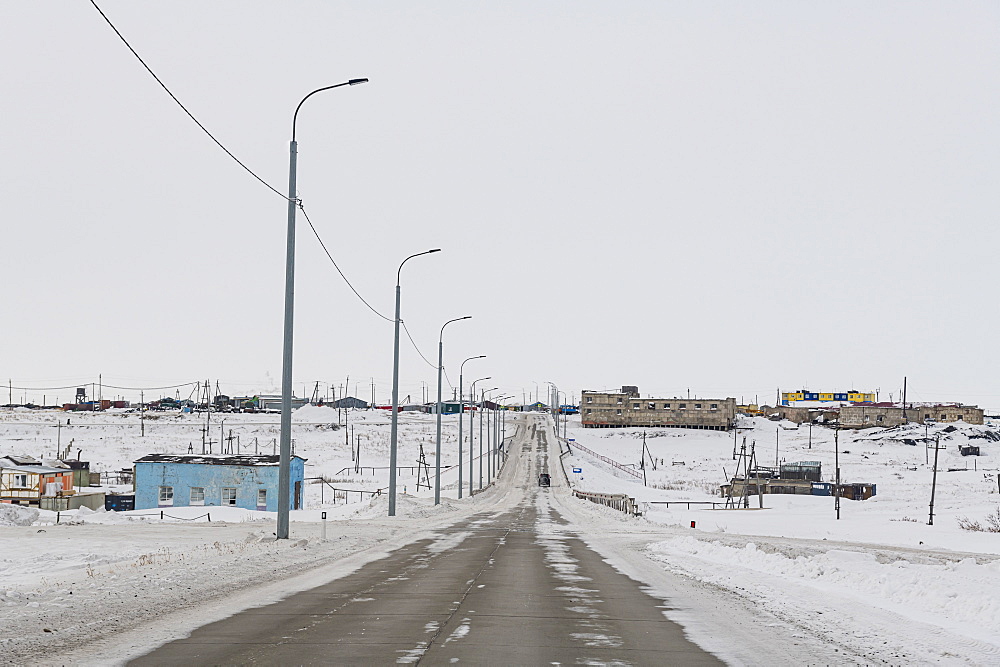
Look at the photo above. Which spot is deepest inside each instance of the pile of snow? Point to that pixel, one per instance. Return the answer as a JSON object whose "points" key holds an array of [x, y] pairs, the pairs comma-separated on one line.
{"points": [[17, 515], [315, 414]]}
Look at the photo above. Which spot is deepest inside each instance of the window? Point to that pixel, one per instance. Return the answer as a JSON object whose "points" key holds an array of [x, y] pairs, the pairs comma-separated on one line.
{"points": [[635, 406], [21, 481], [620, 400], [682, 406], [651, 406], [197, 495], [666, 406], [590, 399], [229, 497], [944, 417], [589, 411], [619, 410], [262, 499], [715, 406], [697, 406], [879, 418], [166, 496]]}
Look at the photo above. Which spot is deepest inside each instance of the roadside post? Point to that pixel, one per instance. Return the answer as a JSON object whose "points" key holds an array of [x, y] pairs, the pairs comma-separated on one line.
{"points": [[322, 533]]}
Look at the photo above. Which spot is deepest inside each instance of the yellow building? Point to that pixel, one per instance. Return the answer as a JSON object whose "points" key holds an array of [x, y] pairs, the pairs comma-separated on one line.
{"points": [[852, 396]]}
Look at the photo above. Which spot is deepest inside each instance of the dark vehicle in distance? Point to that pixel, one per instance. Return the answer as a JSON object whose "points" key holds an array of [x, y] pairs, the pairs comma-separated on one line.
{"points": [[544, 479]]}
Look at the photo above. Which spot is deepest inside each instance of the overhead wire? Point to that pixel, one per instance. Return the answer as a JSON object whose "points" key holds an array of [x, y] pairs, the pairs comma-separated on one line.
{"points": [[181, 104], [109, 386], [414, 343], [334, 262], [254, 174]]}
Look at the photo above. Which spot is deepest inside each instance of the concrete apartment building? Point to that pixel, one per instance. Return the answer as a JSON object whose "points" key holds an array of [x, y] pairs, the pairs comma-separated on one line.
{"points": [[892, 414], [626, 408]]}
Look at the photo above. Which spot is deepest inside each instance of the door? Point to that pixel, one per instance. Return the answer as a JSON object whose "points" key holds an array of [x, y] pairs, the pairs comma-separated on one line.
{"points": [[298, 496]]}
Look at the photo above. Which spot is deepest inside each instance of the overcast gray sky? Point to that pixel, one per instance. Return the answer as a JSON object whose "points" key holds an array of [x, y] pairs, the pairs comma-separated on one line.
{"points": [[726, 197]]}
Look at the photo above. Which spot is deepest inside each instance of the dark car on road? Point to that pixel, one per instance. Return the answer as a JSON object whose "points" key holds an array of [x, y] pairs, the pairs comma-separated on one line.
{"points": [[544, 479]]}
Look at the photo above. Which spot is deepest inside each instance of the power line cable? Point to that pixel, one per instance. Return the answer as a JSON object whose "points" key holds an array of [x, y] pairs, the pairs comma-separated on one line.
{"points": [[426, 361], [414, 343], [181, 105], [173, 386], [252, 173], [108, 386], [334, 262]]}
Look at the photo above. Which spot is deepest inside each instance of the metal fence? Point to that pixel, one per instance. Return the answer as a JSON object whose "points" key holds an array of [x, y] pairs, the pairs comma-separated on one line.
{"points": [[618, 501], [610, 462], [339, 494]]}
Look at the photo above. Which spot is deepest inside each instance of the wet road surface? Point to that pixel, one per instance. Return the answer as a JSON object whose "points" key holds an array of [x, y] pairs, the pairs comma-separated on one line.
{"points": [[511, 587]]}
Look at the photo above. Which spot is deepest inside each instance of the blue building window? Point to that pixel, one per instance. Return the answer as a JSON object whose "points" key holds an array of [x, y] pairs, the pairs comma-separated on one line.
{"points": [[166, 498], [262, 499], [229, 497], [197, 495]]}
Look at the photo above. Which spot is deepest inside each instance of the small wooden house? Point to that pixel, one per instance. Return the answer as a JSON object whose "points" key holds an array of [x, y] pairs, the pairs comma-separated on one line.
{"points": [[26, 484]]}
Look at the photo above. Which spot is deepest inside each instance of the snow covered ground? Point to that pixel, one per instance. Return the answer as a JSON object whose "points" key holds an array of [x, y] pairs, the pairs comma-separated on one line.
{"points": [[65, 584], [880, 582], [878, 585]]}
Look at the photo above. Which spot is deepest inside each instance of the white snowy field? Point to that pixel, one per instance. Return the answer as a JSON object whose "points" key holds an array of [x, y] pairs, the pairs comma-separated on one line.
{"points": [[879, 581], [695, 464]]}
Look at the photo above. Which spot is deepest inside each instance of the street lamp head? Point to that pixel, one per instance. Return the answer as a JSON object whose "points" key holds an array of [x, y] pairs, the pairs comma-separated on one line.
{"points": [[419, 254], [295, 116], [457, 319]]}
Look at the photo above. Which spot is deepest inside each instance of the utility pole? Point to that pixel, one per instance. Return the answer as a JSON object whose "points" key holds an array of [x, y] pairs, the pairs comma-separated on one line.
{"points": [[642, 460], [905, 420], [836, 466], [142, 414], [482, 397], [926, 455], [777, 431], [810, 435], [937, 447]]}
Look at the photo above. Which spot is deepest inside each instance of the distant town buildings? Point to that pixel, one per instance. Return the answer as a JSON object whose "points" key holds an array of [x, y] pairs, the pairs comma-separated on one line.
{"points": [[895, 414], [627, 408]]}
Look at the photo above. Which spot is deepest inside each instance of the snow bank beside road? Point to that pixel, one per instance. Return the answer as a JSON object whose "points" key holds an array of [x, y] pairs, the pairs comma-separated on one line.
{"points": [[16, 515], [938, 606], [94, 592]]}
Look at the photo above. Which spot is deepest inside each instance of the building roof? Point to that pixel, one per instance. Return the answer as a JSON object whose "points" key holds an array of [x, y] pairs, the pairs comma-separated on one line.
{"points": [[215, 459], [39, 470], [19, 460]]}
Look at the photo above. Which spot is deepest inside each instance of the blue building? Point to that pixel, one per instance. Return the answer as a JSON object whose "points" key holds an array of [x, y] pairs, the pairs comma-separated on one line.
{"points": [[187, 480]]}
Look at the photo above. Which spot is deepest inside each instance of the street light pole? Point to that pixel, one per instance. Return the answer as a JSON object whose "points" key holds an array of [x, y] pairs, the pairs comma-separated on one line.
{"points": [[497, 437], [482, 399], [461, 414], [285, 459], [395, 388], [472, 433], [437, 448]]}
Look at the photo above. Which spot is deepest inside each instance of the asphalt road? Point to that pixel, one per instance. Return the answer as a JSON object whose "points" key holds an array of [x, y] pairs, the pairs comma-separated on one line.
{"points": [[513, 587]]}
